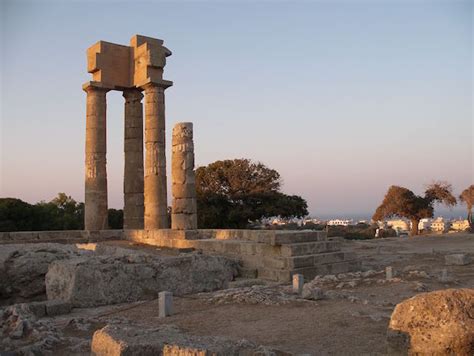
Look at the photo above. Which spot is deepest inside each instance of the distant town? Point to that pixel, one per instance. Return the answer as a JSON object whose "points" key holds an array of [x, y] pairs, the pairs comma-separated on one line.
{"points": [[401, 226]]}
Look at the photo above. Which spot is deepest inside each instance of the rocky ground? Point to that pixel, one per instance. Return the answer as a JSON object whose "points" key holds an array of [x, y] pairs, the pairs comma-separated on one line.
{"points": [[336, 315]]}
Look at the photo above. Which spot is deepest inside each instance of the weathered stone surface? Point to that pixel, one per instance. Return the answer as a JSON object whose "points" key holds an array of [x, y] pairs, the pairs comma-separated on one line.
{"points": [[57, 307], [21, 333], [102, 280], [137, 340], [133, 155], [435, 323], [23, 269], [183, 187], [184, 221], [457, 259], [95, 209], [156, 214]]}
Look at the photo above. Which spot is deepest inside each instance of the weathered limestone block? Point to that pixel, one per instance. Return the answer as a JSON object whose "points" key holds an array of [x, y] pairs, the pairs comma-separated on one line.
{"points": [[457, 259], [184, 221], [184, 215], [168, 340], [435, 323], [102, 280], [184, 206], [23, 269]]}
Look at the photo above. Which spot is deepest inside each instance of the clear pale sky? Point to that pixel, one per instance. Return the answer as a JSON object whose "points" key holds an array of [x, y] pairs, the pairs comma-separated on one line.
{"points": [[343, 98]]}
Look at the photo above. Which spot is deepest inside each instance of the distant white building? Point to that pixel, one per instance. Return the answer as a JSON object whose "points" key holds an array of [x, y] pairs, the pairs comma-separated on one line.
{"points": [[424, 224], [459, 225], [440, 225], [311, 221], [399, 225], [340, 222]]}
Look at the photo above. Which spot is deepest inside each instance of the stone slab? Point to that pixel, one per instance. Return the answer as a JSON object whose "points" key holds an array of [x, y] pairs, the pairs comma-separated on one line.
{"points": [[139, 340], [309, 248], [457, 259], [103, 280]]}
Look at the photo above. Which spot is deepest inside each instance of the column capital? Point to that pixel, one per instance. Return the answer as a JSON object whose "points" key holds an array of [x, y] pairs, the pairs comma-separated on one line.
{"points": [[95, 86], [155, 84], [132, 94]]}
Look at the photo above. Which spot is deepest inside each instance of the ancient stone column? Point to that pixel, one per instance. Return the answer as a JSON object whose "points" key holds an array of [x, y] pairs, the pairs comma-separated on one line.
{"points": [[156, 206], [133, 168], [95, 215], [184, 216]]}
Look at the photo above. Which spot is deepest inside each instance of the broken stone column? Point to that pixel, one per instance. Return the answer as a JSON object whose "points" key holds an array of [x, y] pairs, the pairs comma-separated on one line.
{"points": [[156, 206], [184, 216], [133, 168], [95, 214]]}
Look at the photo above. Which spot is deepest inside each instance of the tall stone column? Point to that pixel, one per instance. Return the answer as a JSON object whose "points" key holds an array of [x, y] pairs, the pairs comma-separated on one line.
{"points": [[184, 216], [156, 206], [133, 152], [95, 215]]}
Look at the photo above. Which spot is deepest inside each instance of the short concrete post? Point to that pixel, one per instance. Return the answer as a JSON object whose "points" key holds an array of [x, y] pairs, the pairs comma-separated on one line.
{"points": [[298, 281], [165, 301], [388, 272]]}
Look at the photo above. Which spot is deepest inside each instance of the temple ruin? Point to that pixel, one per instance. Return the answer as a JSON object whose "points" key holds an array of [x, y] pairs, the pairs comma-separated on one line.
{"points": [[131, 69]]}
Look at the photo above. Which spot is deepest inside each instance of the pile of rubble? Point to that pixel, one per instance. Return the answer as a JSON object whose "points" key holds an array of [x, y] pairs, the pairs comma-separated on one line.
{"points": [[22, 331], [257, 294]]}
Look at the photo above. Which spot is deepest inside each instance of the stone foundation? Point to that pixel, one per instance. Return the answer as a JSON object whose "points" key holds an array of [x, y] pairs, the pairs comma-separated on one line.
{"points": [[63, 236], [267, 254]]}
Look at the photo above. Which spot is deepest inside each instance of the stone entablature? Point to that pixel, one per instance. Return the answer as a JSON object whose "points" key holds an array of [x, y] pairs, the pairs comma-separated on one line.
{"points": [[119, 67]]}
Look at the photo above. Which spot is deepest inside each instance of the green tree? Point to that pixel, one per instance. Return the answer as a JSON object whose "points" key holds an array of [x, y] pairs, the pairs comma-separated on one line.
{"points": [[61, 213], [115, 217], [231, 193], [467, 197], [16, 215], [403, 202]]}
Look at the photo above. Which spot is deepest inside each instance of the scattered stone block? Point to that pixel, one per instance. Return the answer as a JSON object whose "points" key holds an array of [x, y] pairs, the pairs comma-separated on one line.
{"points": [[457, 259], [388, 272], [135, 339], [298, 282], [165, 301], [445, 278], [435, 323], [102, 280], [23, 268], [57, 307], [312, 292], [37, 308]]}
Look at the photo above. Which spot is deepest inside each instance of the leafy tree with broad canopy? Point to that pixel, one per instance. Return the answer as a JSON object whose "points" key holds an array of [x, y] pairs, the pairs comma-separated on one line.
{"points": [[467, 197], [231, 193], [402, 202]]}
